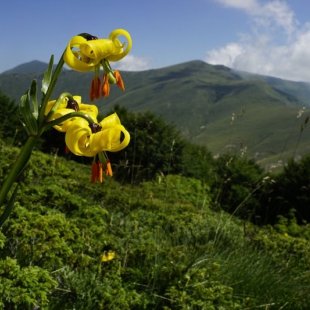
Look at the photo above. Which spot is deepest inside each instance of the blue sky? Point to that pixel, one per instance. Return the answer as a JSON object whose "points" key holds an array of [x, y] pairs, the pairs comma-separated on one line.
{"points": [[269, 37]]}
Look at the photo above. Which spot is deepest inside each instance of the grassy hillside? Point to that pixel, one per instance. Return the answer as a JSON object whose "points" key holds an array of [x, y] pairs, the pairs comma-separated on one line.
{"points": [[201, 100], [300, 90], [71, 244]]}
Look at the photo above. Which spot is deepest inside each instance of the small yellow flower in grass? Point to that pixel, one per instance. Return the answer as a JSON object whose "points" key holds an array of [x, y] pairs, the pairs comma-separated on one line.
{"points": [[86, 52], [286, 235], [107, 256]]}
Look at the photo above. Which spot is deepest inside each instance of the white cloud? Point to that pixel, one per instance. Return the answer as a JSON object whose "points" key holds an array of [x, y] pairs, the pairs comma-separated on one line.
{"points": [[281, 14], [225, 55], [273, 12], [259, 51], [247, 5], [133, 63]]}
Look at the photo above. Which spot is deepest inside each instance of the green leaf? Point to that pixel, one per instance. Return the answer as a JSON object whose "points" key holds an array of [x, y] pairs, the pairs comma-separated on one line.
{"points": [[29, 120], [8, 209], [47, 76], [34, 98]]}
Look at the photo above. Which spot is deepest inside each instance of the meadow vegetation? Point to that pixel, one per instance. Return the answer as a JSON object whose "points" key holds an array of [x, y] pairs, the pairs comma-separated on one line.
{"points": [[175, 228]]}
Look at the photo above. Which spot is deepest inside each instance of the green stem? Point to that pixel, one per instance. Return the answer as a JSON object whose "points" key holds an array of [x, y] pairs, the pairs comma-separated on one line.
{"points": [[50, 89], [67, 116], [18, 166], [57, 103], [25, 153], [108, 70], [8, 209]]}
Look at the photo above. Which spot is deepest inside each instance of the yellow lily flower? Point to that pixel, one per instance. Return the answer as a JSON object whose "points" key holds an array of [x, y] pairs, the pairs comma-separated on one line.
{"points": [[89, 139], [82, 140], [85, 52], [67, 107]]}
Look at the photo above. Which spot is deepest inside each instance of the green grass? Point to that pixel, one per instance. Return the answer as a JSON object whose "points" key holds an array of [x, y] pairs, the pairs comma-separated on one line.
{"points": [[172, 250]]}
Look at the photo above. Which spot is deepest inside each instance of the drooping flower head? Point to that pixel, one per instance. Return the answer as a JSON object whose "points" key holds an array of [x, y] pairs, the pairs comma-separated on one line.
{"points": [[86, 52], [91, 140], [83, 139]]}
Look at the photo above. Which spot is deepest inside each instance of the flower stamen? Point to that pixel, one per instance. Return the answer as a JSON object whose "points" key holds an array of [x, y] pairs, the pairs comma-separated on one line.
{"points": [[105, 90], [119, 80], [108, 170], [99, 165], [94, 91]]}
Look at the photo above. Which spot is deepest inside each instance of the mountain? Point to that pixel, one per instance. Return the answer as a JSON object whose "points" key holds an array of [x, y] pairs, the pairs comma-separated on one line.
{"points": [[300, 90], [215, 106], [29, 67]]}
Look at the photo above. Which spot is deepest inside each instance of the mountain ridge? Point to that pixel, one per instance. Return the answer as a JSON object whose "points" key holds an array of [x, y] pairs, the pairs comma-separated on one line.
{"points": [[28, 67], [211, 105], [36, 66]]}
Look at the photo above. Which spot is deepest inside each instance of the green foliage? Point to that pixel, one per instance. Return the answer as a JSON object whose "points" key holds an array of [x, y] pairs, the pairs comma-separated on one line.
{"points": [[197, 162], [175, 246], [155, 147], [172, 249], [290, 190], [39, 239], [11, 129], [2, 240], [289, 225], [24, 288], [236, 184], [285, 249], [161, 243], [96, 287], [178, 189], [289, 256], [199, 290]]}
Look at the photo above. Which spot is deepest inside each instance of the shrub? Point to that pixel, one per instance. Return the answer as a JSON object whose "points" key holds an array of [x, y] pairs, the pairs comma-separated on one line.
{"points": [[24, 288]]}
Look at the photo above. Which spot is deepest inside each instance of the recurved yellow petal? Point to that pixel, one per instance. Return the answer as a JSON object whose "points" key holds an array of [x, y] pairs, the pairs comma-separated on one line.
{"points": [[120, 53], [63, 127], [83, 55], [77, 138], [62, 105], [110, 121], [109, 139], [83, 142], [99, 49], [89, 109], [75, 59]]}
